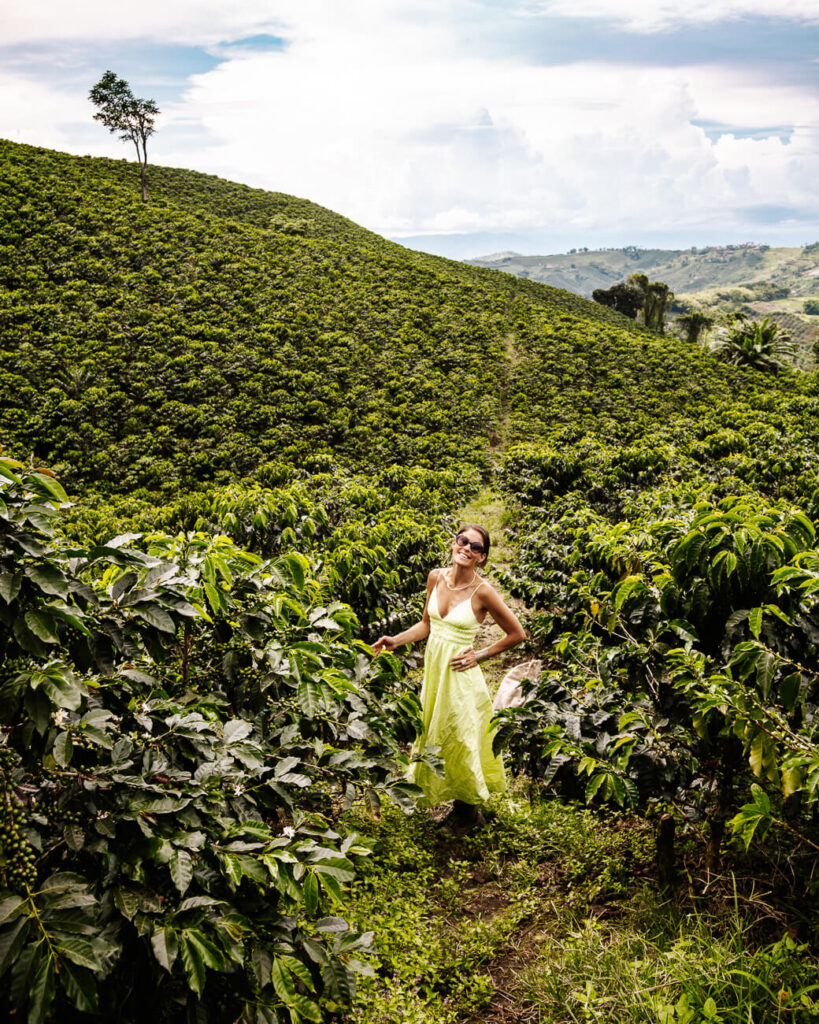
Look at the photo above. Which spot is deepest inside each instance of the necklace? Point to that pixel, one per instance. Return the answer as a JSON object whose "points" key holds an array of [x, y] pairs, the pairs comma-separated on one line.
{"points": [[449, 586]]}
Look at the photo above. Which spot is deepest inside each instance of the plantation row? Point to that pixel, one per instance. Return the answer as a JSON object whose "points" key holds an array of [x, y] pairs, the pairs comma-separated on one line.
{"points": [[673, 582], [268, 419]]}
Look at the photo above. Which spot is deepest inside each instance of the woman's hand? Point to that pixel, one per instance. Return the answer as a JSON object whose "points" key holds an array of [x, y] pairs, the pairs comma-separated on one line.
{"points": [[464, 661], [385, 643]]}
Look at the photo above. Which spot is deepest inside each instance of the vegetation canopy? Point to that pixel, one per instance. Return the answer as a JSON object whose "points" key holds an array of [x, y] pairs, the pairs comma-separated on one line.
{"points": [[238, 432]]}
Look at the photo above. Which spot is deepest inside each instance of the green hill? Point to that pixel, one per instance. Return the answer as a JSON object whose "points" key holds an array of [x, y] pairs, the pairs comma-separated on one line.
{"points": [[218, 328], [269, 421], [686, 271], [221, 327]]}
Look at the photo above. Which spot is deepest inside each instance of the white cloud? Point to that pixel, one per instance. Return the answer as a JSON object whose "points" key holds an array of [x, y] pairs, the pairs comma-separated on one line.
{"points": [[196, 22], [659, 15], [403, 130], [35, 113], [204, 22], [386, 111]]}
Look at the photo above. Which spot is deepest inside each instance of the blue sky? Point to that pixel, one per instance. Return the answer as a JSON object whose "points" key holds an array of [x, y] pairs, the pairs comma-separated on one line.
{"points": [[458, 126]]}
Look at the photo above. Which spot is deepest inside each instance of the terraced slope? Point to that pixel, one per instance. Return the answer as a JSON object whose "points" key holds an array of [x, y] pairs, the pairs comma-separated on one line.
{"points": [[164, 347], [228, 362]]}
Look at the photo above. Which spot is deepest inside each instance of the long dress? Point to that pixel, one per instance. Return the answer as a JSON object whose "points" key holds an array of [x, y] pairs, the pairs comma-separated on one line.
{"points": [[456, 709]]}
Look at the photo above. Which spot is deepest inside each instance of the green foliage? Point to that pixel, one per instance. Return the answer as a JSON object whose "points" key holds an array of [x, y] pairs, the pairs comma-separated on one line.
{"points": [[375, 537], [757, 343], [163, 349], [178, 715], [679, 642], [660, 967]]}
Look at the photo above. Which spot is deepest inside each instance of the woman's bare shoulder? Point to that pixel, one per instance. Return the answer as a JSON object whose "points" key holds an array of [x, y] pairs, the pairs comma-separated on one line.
{"points": [[433, 577], [488, 594]]}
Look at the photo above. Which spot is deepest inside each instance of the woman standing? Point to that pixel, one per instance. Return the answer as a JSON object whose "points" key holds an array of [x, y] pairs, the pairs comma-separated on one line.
{"points": [[456, 707]]}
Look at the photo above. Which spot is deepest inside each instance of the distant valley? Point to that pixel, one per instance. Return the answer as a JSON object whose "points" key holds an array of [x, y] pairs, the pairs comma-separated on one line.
{"points": [[761, 280]]}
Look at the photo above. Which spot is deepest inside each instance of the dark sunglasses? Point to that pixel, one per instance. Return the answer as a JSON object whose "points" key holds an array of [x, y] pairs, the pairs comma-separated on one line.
{"points": [[462, 542]]}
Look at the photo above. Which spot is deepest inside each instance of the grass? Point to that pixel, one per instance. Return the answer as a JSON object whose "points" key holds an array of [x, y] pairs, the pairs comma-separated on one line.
{"points": [[549, 914], [655, 964]]}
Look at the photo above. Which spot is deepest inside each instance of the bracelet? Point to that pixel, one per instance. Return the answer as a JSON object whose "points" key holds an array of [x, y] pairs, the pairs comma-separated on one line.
{"points": [[481, 655]]}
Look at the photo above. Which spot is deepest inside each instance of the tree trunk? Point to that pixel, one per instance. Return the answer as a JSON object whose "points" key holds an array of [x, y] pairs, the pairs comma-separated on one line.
{"points": [[142, 160], [186, 654], [731, 754], [666, 868], [716, 830]]}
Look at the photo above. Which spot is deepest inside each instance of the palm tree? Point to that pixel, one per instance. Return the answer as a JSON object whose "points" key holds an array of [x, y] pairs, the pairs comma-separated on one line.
{"points": [[757, 343], [694, 324], [658, 296]]}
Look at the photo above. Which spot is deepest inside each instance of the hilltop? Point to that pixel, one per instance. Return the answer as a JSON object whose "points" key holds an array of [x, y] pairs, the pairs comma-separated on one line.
{"points": [[219, 328]]}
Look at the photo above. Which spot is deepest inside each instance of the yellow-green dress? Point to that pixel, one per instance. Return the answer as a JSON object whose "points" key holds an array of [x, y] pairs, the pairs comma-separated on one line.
{"points": [[456, 709]]}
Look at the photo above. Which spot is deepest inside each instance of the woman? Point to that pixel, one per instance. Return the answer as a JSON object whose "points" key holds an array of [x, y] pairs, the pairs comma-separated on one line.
{"points": [[454, 698]]}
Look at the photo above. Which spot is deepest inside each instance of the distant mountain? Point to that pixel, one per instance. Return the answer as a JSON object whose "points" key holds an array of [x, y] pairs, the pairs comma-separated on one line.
{"points": [[686, 271]]}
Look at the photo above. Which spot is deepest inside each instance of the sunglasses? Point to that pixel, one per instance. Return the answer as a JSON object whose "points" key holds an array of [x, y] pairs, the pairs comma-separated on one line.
{"points": [[463, 542]]}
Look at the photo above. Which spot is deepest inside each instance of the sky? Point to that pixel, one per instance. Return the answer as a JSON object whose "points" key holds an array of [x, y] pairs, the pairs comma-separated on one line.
{"points": [[462, 127]]}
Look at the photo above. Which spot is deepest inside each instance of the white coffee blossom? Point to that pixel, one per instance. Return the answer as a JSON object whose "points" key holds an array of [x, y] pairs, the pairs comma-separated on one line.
{"points": [[60, 717], [288, 832]]}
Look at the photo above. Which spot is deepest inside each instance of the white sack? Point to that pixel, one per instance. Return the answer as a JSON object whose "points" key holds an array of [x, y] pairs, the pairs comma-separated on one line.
{"points": [[510, 694]]}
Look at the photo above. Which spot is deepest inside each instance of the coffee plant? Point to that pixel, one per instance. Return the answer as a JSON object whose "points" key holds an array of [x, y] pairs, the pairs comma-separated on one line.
{"points": [[682, 646], [179, 717]]}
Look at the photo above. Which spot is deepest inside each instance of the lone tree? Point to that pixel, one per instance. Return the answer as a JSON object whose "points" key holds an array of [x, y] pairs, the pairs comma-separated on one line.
{"points": [[120, 111]]}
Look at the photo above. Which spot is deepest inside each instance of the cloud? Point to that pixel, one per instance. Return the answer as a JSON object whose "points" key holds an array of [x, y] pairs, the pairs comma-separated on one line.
{"points": [[33, 112], [408, 132], [205, 22], [200, 22], [397, 116], [662, 15]]}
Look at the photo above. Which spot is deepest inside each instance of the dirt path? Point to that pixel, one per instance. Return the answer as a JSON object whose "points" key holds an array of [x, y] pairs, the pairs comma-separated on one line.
{"points": [[486, 900]]}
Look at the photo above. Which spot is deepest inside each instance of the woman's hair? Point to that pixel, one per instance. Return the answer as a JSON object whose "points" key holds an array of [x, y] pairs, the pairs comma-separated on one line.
{"points": [[484, 537]]}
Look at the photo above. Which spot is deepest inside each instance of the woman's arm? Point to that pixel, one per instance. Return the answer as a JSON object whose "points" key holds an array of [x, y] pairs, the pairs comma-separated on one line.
{"points": [[420, 631], [504, 617]]}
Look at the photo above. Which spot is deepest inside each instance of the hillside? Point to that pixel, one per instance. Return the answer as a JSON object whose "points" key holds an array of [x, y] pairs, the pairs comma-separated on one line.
{"points": [[686, 271], [188, 341], [756, 279], [269, 422]]}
